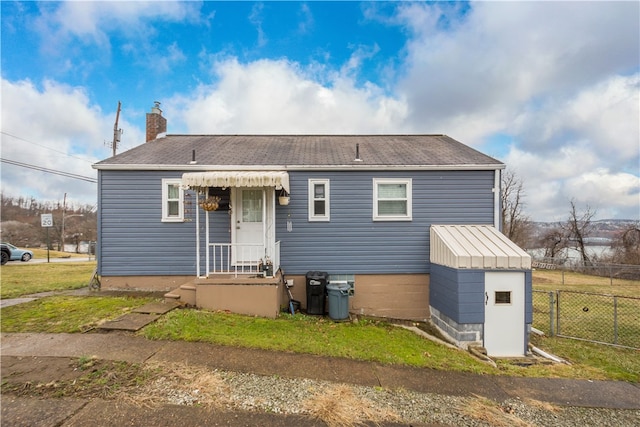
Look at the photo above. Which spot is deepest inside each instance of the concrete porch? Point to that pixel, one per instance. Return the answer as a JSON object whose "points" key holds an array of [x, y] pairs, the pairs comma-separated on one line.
{"points": [[245, 294]]}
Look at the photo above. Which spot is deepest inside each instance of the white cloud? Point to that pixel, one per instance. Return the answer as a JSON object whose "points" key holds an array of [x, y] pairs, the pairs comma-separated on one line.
{"points": [[586, 148], [76, 35], [256, 19], [612, 194], [358, 56], [608, 115], [560, 78], [551, 181], [90, 21], [500, 58], [279, 97], [306, 23], [55, 127]]}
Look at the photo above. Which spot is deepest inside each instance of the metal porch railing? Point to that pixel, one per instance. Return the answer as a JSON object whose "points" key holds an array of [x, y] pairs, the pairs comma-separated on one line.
{"points": [[235, 258]]}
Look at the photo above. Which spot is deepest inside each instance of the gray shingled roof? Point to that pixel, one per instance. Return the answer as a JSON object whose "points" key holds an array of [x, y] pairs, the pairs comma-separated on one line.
{"points": [[301, 151]]}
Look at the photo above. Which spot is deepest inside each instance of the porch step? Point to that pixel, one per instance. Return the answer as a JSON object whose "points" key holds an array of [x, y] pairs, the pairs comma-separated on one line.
{"points": [[185, 294]]}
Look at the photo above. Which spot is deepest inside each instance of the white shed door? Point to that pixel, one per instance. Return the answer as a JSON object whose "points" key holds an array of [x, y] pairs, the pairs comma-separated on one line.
{"points": [[504, 314]]}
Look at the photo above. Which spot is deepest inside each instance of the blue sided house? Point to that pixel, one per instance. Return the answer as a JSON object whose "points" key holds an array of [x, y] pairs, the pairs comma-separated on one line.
{"points": [[408, 222]]}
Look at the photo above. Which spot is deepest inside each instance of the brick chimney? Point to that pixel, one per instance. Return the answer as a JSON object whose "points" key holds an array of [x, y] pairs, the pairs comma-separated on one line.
{"points": [[156, 124]]}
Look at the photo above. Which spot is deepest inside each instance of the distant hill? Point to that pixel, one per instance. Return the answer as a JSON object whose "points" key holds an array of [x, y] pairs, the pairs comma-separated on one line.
{"points": [[604, 230]]}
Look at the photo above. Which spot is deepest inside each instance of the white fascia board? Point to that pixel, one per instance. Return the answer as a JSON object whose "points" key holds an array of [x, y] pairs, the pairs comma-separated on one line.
{"points": [[189, 168], [195, 168], [394, 167]]}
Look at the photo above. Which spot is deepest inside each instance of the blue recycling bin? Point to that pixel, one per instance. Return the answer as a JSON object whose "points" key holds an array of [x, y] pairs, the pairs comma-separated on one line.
{"points": [[338, 294]]}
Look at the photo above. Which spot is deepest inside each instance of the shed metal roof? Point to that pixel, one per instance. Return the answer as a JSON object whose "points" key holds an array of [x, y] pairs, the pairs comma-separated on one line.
{"points": [[475, 246], [291, 152]]}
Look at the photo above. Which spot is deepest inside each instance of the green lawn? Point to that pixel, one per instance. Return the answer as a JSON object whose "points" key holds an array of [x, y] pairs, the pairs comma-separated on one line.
{"points": [[551, 280], [587, 307], [19, 280], [364, 340], [66, 314]]}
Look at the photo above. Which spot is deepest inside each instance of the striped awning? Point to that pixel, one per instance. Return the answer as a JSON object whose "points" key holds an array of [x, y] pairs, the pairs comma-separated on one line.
{"points": [[228, 179]]}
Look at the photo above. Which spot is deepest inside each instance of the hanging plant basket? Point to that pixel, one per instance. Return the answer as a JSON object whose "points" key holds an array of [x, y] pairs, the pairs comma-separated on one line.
{"points": [[283, 200], [210, 203]]}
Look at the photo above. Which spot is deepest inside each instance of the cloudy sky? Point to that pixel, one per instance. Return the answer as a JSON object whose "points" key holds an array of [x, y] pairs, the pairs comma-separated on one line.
{"points": [[550, 88]]}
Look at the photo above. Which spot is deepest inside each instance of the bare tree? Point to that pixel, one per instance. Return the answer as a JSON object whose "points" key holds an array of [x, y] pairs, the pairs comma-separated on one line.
{"points": [[515, 224], [578, 227], [554, 242], [626, 248]]}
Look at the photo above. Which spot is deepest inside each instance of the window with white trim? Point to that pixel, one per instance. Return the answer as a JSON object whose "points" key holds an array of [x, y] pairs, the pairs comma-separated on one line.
{"points": [[392, 199], [319, 206], [172, 200]]}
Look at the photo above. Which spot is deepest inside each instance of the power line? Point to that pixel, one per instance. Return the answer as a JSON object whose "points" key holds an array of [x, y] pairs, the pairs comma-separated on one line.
{"points": [[52, 171], [44, 146]]}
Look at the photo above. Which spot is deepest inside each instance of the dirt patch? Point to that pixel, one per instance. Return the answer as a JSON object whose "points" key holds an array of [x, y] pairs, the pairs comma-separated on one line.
{"points": [[39, 369], [54, 377], [338, 406], [177, 384], [495, 414], [147, 385]]}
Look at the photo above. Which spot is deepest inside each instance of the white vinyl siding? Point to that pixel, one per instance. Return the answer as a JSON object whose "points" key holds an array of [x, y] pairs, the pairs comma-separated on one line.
{"points": [[172, 201], [319, 205], [392, 199]]}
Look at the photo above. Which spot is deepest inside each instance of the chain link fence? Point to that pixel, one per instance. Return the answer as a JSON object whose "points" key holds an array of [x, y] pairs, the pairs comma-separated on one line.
{"points": [[616, 273], [599, 318]]}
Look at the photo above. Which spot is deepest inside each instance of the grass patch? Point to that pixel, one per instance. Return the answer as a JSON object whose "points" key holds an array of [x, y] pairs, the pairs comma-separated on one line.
{"points": [[42, 254], [66, 314], [551, 280], [20, 280], [381, 342], [591, 360], [364, 340], [584, 307]]}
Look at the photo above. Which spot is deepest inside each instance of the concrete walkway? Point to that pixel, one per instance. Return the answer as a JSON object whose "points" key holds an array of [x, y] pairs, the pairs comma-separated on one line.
{"points": [[134, 349]]}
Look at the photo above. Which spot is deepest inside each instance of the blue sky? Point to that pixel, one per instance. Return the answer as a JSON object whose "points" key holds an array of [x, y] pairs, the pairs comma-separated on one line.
{"points": [[550, 88]]}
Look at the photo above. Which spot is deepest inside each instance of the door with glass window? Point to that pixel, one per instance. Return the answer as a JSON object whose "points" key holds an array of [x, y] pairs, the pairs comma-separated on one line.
{"points": [[248, 237]]}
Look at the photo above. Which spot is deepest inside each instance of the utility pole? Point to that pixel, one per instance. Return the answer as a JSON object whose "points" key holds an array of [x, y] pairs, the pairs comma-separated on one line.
{"points": [[64, 208], [116, 132]]}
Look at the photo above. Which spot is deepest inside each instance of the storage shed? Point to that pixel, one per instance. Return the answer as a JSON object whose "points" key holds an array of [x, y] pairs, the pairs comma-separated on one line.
{"points": [[480, 288]]}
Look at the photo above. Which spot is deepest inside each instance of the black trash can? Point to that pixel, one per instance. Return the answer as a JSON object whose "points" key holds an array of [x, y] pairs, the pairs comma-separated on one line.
{"points": [[316, 291]]}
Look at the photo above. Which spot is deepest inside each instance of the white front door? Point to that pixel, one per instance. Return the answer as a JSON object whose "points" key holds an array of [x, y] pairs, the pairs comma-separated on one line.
{"points": [[248, 237], [504, 326]]}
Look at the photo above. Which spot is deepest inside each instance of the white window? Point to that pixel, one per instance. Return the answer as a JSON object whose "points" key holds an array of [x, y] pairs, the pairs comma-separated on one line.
{"points": [[319, 200], [172, 201], [392, 199]]}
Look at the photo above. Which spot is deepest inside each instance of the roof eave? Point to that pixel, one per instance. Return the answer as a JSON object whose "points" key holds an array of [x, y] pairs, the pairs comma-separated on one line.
{"points": [[203, 167]]}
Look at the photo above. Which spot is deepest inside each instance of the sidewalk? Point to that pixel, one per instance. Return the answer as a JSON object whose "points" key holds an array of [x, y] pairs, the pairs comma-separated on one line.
{"points": [[134, 349]]}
